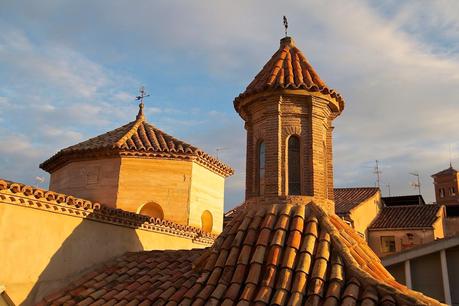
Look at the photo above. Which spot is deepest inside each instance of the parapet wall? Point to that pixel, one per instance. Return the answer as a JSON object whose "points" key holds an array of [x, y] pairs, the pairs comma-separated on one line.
{"points": [[47, 239]]}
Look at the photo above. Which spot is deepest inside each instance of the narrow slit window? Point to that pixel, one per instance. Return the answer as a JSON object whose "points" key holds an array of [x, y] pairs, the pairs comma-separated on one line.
{"points": [[261, 167], [294, 167]]}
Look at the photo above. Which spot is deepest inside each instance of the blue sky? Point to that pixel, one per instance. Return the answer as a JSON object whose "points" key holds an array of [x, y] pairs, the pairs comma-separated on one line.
{"points": [[69, 70]]}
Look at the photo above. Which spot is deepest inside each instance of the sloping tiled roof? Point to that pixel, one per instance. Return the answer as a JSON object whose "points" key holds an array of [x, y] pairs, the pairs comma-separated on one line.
{"points": [[348, 198], [288, 68], [138, 278], [137, 138], [398, 217], [230, 214], [448, 171], [415, 199], [267, 255]]}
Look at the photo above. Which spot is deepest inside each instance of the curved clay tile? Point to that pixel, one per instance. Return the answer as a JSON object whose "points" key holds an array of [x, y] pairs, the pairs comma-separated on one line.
{"points": [[288, 68], [268, 255], [137, 138]]}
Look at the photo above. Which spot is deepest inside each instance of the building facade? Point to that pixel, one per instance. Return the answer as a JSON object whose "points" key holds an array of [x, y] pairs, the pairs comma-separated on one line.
{"points": [[432, 268], [141, 169], [397, 228], [446, 184]]}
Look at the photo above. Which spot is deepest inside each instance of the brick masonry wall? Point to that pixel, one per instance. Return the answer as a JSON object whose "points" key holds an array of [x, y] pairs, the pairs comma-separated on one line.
{"points": [[273, 119]]}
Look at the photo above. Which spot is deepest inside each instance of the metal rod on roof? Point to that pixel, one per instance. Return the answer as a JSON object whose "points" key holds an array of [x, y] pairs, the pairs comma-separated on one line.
{"points": [[378, 174], [285, 25], [418, 184]]}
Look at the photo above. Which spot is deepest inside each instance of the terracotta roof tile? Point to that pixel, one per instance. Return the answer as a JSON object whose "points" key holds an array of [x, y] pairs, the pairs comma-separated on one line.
{"points": [[288, 68], [410, 216], [137, 138], [332, 265], [348, 198]]}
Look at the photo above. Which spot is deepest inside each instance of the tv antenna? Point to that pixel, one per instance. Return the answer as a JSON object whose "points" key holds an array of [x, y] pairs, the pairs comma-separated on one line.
{"points": [[285, 25], [378, 172], [418, 183]]}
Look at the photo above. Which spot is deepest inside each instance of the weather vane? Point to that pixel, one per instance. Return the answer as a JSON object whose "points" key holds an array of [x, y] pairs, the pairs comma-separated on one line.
{"points": [[143, 94], [285, 25]]}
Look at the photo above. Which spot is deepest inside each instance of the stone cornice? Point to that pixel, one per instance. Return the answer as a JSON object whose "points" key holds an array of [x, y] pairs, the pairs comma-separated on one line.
{"points": [[28, 196], [203, 159]]}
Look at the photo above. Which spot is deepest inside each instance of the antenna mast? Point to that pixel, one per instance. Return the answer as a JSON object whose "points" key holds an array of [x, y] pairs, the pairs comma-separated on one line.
{"points": [[388, 187], [418, 184], [378, 172]]}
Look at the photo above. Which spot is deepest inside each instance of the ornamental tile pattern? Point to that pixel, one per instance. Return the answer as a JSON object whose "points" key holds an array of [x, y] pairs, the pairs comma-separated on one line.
{"points": [[28, 196]]}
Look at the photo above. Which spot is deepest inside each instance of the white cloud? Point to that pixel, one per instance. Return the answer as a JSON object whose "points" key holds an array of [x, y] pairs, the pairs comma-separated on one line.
{"points": [[395, 63]]}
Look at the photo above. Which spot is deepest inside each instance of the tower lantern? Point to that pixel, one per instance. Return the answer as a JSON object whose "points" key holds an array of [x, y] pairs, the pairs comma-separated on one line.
{"points": [[288, 112]]}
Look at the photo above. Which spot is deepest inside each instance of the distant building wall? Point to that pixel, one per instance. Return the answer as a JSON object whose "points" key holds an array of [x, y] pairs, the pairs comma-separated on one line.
{"points": [[95, 180], [46, 243], [403, 239], [363, 214], [432, 269], [451, 226], [206, 194], [164, 182], [446, 188]]}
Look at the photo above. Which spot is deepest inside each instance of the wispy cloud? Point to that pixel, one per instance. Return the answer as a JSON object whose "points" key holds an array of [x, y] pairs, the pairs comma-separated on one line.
{"points": [[74, 68]]}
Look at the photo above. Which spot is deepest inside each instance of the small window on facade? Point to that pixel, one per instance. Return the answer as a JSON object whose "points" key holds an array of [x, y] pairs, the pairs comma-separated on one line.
{"points": [[452, 192], [261, 167], [442, 192], [294, 167], [410, 236], [387, 244]]}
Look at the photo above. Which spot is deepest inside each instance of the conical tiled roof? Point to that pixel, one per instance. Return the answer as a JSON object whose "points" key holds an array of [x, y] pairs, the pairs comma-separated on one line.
{"points": [[288, 68], [137, 138], [268, 255]]}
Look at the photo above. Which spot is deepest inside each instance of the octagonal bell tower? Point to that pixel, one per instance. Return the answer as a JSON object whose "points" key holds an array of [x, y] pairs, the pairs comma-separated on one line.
{"points": [[288, 112]]}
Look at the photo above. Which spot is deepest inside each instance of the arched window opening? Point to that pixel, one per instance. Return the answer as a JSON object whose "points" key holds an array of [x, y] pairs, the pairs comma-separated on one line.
{"points": [[294, 166], [207, 221], [151, 209], [261, 167]]}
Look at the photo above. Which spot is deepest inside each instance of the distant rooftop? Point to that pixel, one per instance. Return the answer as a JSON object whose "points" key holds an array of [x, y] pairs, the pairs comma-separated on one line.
{"points": [[447, 171], [406, 217], [348, 198]]}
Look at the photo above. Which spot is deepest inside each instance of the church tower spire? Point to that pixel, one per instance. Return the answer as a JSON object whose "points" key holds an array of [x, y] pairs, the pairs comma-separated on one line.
{"points": [[288, 112]]}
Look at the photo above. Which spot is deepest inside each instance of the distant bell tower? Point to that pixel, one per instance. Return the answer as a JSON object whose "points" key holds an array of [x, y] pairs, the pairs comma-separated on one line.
{"points": [[288, 112], [446, 184]]}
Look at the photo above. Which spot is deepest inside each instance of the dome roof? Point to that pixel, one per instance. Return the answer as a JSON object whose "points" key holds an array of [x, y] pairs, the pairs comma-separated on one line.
{"points": [[137, 138], [288, 68]]}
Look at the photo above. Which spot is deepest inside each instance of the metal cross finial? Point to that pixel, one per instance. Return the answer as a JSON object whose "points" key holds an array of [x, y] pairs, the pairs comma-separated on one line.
{"points": [[285, 25], [143, 94]]}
